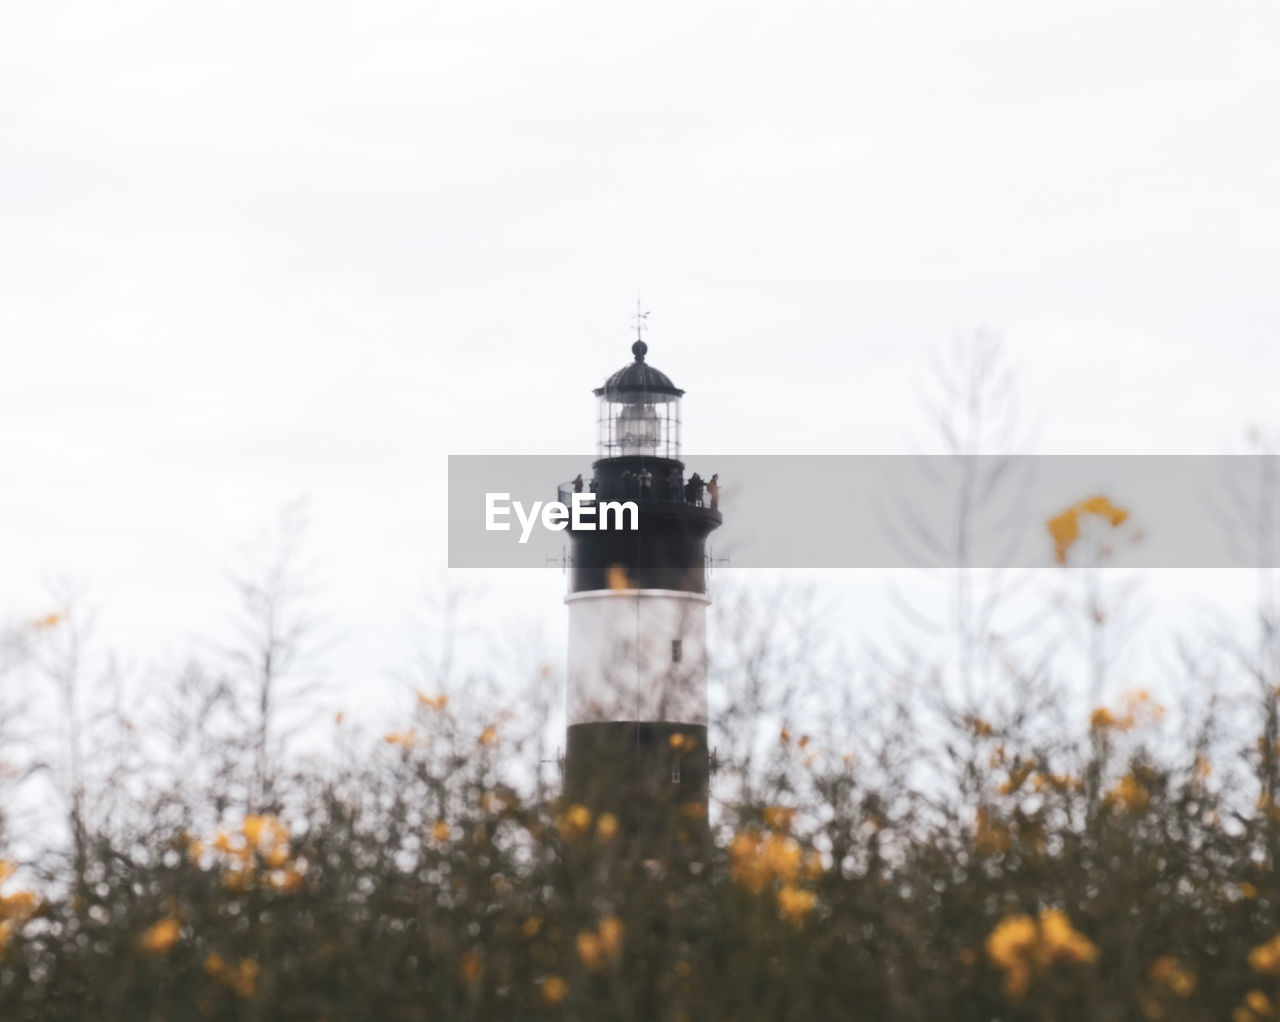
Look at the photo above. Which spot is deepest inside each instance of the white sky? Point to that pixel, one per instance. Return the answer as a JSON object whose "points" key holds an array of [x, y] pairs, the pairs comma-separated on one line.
{"points": [[256, 251]]}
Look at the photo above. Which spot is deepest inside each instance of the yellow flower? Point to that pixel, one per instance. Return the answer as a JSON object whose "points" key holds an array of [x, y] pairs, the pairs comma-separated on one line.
{"points": [[244, 981], [1168, 972], [265, 831], [611, 930], [794, 903], [1018, 777], [18, 906], [242, 978], [602, 947], [589, 950], [783, 856], [979, 727], [1129, 793], [438, 702], [573, 822], [489, 736], [1265, 958], [276, 856], [1059, 941], [46, 621], [1246, 889], [531, 926], [1010, 946], [404, 739], [778, 817], [554, 989], [440, 831], [606, 826], [693, 810], [160, 936], [1139, 710], [1065, 527], [1022, 946], [757, 860], [1103, 718], [222, 842]]}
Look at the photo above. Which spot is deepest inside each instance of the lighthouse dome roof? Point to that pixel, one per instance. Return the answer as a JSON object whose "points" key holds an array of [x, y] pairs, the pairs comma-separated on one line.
{"points": [[639, 377]]}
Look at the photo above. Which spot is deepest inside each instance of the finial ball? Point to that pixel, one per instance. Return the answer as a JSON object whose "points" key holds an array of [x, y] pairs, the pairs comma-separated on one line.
{"points": [[638, 349]]}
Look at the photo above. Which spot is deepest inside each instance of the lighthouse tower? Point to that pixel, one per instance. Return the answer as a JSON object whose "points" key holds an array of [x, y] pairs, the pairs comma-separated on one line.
{"points": [[637, 667]]}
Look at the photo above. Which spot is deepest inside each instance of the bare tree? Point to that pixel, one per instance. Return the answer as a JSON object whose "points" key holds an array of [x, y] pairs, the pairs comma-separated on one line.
{"points": [[275, 635]]}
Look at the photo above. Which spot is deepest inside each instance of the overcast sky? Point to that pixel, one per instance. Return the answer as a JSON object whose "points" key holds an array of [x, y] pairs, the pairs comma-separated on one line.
{"points": [[257, 251]]}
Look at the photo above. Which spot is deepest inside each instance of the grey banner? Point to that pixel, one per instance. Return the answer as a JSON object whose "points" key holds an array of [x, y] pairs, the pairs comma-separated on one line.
{"points": [[812, 511]]}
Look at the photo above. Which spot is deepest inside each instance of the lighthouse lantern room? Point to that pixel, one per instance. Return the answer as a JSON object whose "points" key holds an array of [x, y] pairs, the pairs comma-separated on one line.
{"points": [[638, 412]]}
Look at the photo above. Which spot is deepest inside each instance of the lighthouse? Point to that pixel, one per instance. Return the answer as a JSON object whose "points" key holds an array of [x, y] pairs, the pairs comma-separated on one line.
{"points": [[636, 700]]}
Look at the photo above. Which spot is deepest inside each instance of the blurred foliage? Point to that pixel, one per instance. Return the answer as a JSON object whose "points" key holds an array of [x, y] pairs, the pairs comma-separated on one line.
{"points": [[1095, 875]]}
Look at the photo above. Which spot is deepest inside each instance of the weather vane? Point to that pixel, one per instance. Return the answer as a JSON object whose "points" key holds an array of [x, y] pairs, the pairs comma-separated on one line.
{"points": [[640, 318]]}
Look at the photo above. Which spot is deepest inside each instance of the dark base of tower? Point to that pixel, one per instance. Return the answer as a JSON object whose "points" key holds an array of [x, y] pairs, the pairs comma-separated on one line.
{"points": [[650, 774]]}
